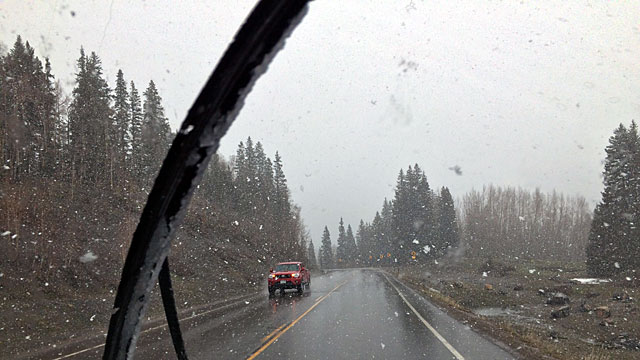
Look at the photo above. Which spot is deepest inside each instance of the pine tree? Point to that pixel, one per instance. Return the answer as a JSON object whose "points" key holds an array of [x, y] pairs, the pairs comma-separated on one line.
{"points": [[411, 225], [155, 132], [264, 181], [613, 239], [135, 132], [49, 121], [120, 126], [326, 253], [247, 181], [218, 182], [351, 249], [425, 223], [240, 175], [386, 228], [281, 191], [382, 254], [633, 245], [401, 225], [27, 110], [90, 122], [341, 250], [311, 254], [447, 223], [362, 243], [407, 221]]}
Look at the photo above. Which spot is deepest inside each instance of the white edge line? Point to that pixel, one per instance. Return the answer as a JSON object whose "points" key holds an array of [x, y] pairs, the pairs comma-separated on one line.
{"points": [[150, 329], [431, 328], [79, 352]]}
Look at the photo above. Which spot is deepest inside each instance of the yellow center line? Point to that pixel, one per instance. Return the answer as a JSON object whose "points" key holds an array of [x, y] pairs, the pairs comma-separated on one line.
{"points": [[266, 345], [271, 333]]}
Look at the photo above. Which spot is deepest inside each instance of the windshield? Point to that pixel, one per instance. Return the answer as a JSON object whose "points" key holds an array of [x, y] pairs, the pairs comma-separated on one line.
{"points": [[461, 180], [287, 267]]}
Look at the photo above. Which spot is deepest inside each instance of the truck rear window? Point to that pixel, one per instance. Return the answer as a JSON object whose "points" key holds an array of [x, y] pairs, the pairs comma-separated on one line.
{"points": [[287, 267]]}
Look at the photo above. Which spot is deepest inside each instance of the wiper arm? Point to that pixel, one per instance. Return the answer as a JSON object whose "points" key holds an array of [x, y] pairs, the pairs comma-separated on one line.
{"points": [[217, 105]]}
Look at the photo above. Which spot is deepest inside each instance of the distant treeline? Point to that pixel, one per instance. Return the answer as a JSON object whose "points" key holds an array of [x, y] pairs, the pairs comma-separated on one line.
{"points": [[76, 170], [510, 223], [417, 225], [420, 225]]}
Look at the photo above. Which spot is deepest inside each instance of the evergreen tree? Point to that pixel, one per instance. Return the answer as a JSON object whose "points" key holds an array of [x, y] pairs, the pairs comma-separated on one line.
{"points": [[382, 254], [155, 132], [240, 175], [251, 180], [351, 250], [264, 181], [280, 189], [218, 182], [613, 239], [386, 228], [447, 223], [326, 253], [341, 250], [90, 122], [120, 126], [135, 131], [27, 110], [311, 254], [402, 227], [406, 223], [413, 227], [363, 244], [424, 218]]}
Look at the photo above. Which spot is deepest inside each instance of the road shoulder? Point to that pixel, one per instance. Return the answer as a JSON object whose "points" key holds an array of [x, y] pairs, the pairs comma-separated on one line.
{"points": [[451, 325]]}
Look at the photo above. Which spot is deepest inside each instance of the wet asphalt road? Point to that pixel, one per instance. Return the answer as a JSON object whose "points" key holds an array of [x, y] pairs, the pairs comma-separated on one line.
{"points": [[350, 314]]}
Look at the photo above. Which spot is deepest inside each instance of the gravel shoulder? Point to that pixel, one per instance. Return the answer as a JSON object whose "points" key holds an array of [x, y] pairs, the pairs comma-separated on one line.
{"points": [[534, 307]]}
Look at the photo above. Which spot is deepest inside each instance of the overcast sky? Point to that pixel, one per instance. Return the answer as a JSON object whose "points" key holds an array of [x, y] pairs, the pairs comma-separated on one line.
{"points": [[524, 94]]}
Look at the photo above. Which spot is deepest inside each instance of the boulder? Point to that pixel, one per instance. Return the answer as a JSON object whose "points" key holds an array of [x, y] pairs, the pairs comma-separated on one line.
{"points": [[625, 341], [584, 307], [624, 297], [488, 287], [518, 287], [562, 312], [602, 312], [607, 322], [558, 298]]}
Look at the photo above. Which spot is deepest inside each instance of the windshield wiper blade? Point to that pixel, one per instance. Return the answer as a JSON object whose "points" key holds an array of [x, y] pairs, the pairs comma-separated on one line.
{"points": [[217, 105]]}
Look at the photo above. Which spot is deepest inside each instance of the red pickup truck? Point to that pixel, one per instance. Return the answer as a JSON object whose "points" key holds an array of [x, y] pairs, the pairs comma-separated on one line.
{"points": [[288, 275]]}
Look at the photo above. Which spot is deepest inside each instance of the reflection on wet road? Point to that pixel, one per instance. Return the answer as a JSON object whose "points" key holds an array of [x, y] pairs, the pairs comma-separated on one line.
{"points": [[347, 314]]}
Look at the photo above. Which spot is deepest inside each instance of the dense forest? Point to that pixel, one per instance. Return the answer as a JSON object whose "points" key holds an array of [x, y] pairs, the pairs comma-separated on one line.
{"points": [[77, 168]]}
